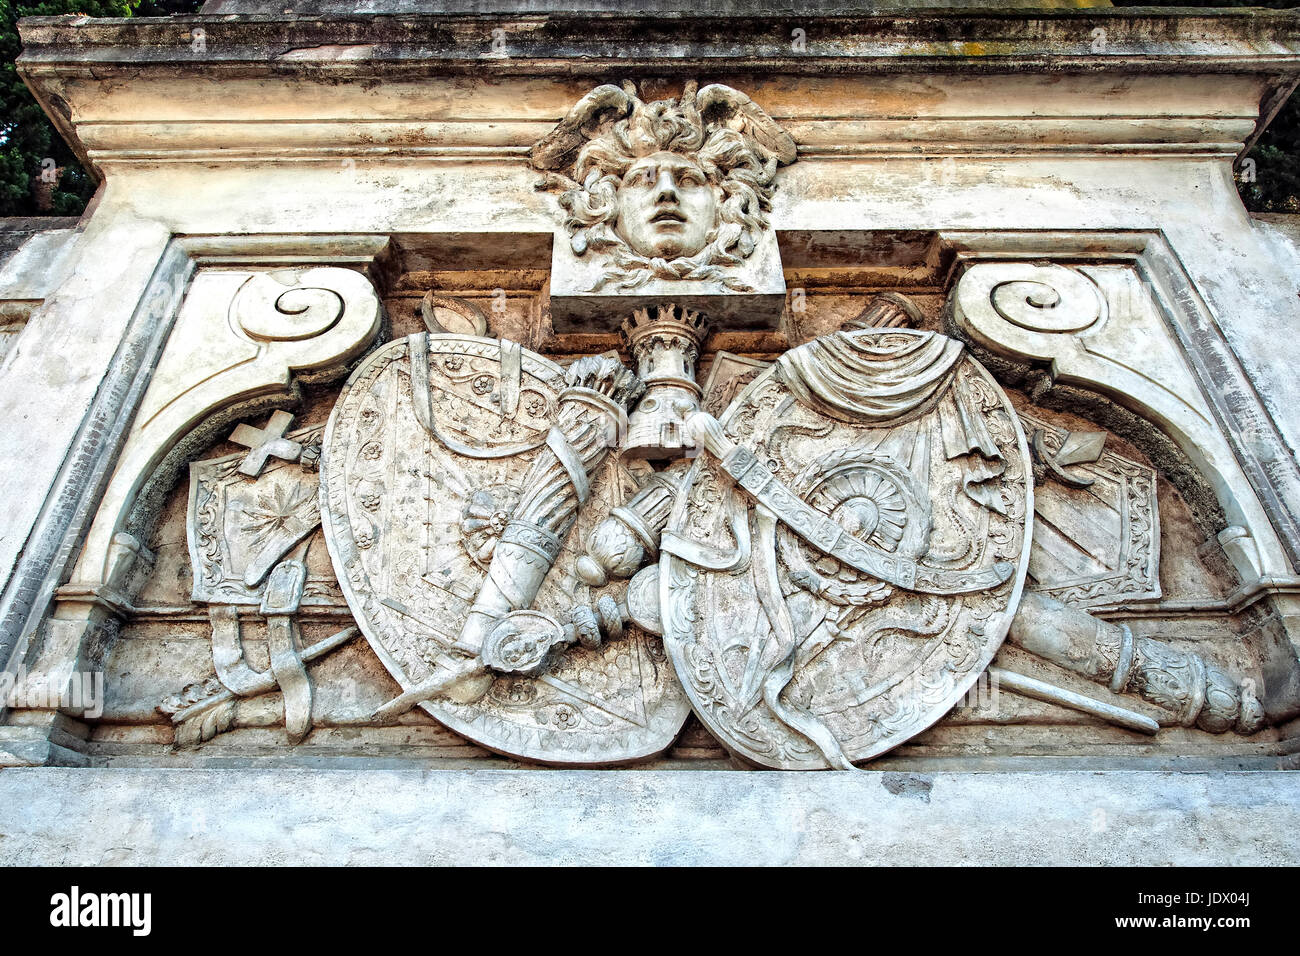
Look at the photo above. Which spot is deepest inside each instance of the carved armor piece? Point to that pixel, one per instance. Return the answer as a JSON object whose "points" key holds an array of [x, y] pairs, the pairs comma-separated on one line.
{"points": [[844, 561]]}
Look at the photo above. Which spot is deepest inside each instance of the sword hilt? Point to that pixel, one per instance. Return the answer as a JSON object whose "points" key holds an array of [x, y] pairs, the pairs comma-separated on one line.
{"points": [[523, 642]]}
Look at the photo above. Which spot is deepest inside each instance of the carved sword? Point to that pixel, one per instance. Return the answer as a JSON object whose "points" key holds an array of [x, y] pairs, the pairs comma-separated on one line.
{"points": [[824, 533]]}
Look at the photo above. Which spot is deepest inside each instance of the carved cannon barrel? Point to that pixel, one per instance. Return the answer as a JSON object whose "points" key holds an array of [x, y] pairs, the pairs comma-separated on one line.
{"points": [[1194, 692]]}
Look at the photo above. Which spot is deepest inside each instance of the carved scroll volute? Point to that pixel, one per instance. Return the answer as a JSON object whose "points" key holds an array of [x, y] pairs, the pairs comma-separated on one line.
{"points": [[1026, 307], [1123, 345], [328, 305], [308, 323]]}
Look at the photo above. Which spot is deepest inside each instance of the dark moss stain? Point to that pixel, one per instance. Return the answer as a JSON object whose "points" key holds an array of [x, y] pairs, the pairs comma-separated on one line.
{"points": [[914, 785]]}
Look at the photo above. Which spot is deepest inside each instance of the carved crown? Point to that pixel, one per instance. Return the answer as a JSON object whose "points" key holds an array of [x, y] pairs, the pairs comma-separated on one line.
{"points": [[665, 321]]}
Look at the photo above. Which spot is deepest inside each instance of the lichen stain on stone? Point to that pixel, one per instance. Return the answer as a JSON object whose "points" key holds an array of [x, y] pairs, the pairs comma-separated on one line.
{"points": [[801, 98], [957, 48]]}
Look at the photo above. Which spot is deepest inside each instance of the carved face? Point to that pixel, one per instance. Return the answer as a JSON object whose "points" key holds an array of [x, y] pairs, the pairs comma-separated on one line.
{"points": [[666, 207]]}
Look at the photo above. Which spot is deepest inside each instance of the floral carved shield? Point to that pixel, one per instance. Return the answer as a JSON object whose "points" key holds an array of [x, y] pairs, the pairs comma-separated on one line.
{"points": [[423, 465]]}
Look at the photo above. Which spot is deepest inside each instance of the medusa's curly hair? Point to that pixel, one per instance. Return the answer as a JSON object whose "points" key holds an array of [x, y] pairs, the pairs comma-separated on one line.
{"points": [[720, 132]]}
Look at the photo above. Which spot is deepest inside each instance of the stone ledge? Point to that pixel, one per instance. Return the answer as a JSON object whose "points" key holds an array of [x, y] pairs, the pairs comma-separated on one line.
{"points": [[733, 8], [584, 43], [207, 817]]}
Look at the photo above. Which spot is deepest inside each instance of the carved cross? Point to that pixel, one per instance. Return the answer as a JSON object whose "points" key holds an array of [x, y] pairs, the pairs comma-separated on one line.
{"points": [[266, 443]]}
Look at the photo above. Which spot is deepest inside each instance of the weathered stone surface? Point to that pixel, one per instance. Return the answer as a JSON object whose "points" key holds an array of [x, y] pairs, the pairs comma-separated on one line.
{"points": [[1035, 183], [92, 371], [14, 233], [34, 258], [746, 8], [845, 560], [215, 817], [1060, 40]]}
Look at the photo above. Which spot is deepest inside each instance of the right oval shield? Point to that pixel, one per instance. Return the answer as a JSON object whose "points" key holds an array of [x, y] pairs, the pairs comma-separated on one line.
{"points": [[843, 564]]}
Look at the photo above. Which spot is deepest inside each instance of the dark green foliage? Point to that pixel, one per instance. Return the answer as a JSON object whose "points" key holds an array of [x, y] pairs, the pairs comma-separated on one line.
{"points": [[28, 142], [167, 8], [1277, 165]]}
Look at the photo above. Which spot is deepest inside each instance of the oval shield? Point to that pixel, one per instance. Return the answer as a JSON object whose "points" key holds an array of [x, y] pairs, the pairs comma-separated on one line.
{"points": [[845, 558], [422, 469]]}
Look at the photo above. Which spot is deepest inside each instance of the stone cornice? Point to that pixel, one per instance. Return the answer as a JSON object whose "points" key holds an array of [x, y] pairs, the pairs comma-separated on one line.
{"points": [[1235, 41], [142, 91]]}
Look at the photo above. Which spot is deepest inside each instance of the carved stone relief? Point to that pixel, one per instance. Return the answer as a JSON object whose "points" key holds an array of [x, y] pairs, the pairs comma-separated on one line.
{"points": [[251, 521], [728, 377], [666, 344], [454, 472], [820, 556], [239, 529], [666, 200], [240, 337], [1097, 328], [837, 567], [424, 489], [845, 561], [1096, 543], [1191, 691]]}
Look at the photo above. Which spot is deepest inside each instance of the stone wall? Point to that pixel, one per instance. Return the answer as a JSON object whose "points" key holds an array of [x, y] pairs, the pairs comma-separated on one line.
{"points": [[393, 178]]}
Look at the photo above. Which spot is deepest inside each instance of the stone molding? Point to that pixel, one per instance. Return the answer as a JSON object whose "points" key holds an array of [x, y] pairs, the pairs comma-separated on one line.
{"points": [[154, 816], [1220, 41], [71, 63], [73, 500]]}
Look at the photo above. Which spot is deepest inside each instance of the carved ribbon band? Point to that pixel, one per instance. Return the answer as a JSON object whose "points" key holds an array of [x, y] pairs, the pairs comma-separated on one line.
{"points": [[532, 537], [706, 556], [422, 400], [572, 463], [279, 605], [827, 536]]}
